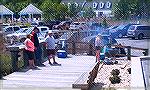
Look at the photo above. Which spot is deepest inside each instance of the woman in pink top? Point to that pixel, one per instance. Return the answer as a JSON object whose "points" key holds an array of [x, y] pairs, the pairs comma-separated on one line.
{"points": [[29, 48]]}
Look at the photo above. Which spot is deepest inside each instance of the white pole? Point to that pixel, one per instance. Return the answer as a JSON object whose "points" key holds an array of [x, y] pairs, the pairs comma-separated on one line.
{"points": [[12, 19], [2, 18]]}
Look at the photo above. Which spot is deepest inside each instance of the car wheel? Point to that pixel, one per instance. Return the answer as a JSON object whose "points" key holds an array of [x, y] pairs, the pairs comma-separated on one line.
{"points": [[140, 36], [133, 37], [120, 35]]}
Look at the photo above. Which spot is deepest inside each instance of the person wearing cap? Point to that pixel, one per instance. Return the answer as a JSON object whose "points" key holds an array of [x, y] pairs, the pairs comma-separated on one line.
{"points": [[29, 49], [50, 45], [38, 49], [98, 46]]}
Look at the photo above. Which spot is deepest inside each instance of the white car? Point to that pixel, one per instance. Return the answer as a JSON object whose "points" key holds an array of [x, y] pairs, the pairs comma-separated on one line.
{"points": [[78, 25], [10, 29], [20, 36]]}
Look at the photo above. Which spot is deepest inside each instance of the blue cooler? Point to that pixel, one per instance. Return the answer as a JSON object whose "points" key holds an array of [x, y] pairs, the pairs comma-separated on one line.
{"points": [[61, 54]]}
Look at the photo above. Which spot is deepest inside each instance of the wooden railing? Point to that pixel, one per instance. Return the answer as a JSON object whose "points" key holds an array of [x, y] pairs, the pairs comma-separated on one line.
{"points": [[89, 48]]}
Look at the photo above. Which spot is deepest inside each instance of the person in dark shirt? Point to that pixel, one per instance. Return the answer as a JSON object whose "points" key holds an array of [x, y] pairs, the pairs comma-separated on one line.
{"points": [[38, 49]]}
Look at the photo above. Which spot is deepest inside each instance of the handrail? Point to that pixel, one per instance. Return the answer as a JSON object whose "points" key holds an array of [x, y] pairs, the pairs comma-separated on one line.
{"points": [[90, 48]]}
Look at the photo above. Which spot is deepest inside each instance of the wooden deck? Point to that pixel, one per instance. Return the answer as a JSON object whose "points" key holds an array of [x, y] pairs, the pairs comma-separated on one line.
{"points": [[51, 76]]}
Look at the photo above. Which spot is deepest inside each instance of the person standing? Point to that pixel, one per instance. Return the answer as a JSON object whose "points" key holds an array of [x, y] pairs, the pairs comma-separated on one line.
{"points": [[38, 49], [99, 46], [50, 44], [29, 49]]}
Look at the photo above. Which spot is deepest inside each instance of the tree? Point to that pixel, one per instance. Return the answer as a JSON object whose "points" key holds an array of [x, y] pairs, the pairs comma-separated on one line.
{"points": [[121, 9], [74, 10], [53, 10], [88, 12]]}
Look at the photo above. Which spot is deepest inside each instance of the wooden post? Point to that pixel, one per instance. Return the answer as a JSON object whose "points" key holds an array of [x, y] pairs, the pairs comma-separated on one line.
{"points": [[0, 68], [25, 59], [129, 52], [146, 52], [90, 49], [14, 57], [73, 48]]}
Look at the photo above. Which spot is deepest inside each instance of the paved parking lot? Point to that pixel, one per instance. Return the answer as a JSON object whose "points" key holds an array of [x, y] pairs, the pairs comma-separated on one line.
{"points": [[145, 43]]}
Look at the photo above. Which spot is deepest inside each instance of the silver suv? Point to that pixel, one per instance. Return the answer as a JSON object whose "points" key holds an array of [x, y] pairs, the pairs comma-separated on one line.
{"points": [[139, 31]]}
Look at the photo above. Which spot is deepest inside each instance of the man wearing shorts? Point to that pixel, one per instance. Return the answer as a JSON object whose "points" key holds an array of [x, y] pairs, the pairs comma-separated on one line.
{"points": [[50, 43]]}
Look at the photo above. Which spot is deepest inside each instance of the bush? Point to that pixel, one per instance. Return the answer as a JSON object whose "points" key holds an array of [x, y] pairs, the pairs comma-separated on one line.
{"points": [[115, 72], [115, 79]]}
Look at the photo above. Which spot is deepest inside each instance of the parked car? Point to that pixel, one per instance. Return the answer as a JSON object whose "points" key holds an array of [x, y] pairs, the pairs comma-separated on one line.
{"points": [[21, 34], [64, 25], [50, 24], [139, 31], [78, 25], [94, 25], [120, 31], [78, 35], [10, 29], [107, 30]]}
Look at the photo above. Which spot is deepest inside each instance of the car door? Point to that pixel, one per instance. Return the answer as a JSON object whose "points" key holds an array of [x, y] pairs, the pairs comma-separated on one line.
{"points": [[16, 28], [8, 30]]}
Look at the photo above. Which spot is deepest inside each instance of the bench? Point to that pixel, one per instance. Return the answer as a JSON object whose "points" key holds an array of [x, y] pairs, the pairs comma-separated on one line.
{"points": [[86, 80]]}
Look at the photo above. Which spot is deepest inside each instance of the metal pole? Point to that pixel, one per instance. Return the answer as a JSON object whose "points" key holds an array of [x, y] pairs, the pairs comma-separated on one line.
{"points": [[129, 52]]}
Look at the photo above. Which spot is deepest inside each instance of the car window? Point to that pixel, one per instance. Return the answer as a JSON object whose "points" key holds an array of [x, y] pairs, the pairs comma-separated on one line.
{"points": [[76, 23], [16, 28], [143, 28], [131, 27], [43, 29], [25, 30], [120, 27], [9, 29]]}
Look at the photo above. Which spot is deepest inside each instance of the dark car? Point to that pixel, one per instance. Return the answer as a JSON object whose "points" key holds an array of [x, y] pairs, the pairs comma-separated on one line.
{"points": [[64, 25], [50, 24], [106, 31], [120, 31]]}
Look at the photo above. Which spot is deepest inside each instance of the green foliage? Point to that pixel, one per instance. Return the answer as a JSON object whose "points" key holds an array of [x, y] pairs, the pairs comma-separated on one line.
{"points": [[73, 10], [53, 10], [131, 8], [17, 7], [121, 9], [6, 64], [89, 13], [104, 23]]}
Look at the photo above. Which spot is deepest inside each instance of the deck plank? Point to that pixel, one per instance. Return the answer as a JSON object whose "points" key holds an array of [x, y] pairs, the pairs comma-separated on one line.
{"points": [[51, 76]]}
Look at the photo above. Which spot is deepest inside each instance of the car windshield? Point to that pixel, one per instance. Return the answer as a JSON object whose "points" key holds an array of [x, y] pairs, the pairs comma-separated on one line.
{"points": [[112, 27], [19, 31], [131, 27], [28, 31], [76, 23], [120, 27]]}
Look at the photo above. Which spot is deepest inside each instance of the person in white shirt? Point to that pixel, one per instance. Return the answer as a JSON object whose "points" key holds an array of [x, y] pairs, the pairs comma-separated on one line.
{"points": [[50, 44]]}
